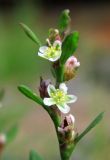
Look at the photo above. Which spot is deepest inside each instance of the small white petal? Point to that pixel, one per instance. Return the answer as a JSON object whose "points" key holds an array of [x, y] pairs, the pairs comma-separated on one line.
{"points": [[43, 49], [51, 89], [61, 130], [48, 101], [64, 108], [41, 54], [55, 58], [72, 118], [63, 87], [77, 64], [71, 99], [57, 42]]}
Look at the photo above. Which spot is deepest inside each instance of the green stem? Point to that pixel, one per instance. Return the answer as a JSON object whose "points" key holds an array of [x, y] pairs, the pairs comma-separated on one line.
{"points": [[65, 147], [60, 75]]}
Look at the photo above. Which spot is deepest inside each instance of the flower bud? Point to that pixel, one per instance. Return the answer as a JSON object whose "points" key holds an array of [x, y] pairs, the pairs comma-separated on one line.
{"points": [[43, 87], [2, 141], [54, 35], [67, 128], [71, 67]]}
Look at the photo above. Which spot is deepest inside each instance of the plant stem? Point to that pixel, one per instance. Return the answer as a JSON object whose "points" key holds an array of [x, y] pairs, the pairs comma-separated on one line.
{"points": [[65, 146]]}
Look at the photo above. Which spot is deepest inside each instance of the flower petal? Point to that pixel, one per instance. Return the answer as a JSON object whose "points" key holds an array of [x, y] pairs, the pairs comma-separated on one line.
{"points": [[71, 99], [51, 89], [43, 49], [77, 64], [72, 118], [53, 59], [64, 108], [57, 42], [63, 87], [48, 101], [41, 54]]}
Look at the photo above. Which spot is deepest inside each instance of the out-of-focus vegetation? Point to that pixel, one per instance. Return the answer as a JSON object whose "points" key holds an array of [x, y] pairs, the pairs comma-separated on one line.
{"points": [[19, 64]]}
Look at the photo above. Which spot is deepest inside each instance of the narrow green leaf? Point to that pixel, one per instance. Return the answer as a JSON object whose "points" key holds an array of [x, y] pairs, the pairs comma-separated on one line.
{"points": [[64, 20], [30, 94], [11, 133], [34, 156], [30, 34], [69, 46], [92, 125]]}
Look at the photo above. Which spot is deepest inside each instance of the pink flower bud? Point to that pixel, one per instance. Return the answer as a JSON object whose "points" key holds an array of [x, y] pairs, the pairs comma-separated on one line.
{"points": [[58, 38], [72, 62], [67, 128], [71, 66], [54, 35]]}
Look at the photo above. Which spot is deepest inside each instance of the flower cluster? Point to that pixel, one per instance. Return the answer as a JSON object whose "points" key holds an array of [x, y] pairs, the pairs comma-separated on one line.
{"points": [[52, 51]]}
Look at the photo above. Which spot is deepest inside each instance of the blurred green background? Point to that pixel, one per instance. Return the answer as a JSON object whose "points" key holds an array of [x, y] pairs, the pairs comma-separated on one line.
{"points": [[19, 64]]}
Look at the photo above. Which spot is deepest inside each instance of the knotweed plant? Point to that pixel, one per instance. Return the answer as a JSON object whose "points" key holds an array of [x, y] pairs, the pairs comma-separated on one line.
{"points": [[59, 48]]}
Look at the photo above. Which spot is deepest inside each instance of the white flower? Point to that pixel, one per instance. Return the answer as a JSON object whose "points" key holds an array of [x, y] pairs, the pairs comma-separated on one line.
{"points": [[59, 97], [52, 53]]}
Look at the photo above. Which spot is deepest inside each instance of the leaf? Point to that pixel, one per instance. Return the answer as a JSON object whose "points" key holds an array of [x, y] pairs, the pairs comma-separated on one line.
{"points": [[11, 133], [69, 46], [34, 156], [30, 94], [64, 20], [92, 125], [30, 34]]}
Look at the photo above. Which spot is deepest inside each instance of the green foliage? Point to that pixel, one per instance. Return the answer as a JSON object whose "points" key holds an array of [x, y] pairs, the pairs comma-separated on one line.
{"points": [[69, 46], [30, 94], [34, 156], [91, 125], [30, 34], [11, 133], [64, 20]]}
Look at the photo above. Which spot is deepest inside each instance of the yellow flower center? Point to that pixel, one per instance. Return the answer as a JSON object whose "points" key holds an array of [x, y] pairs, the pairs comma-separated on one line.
{"points": [[52, 52], [59, 96]]}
